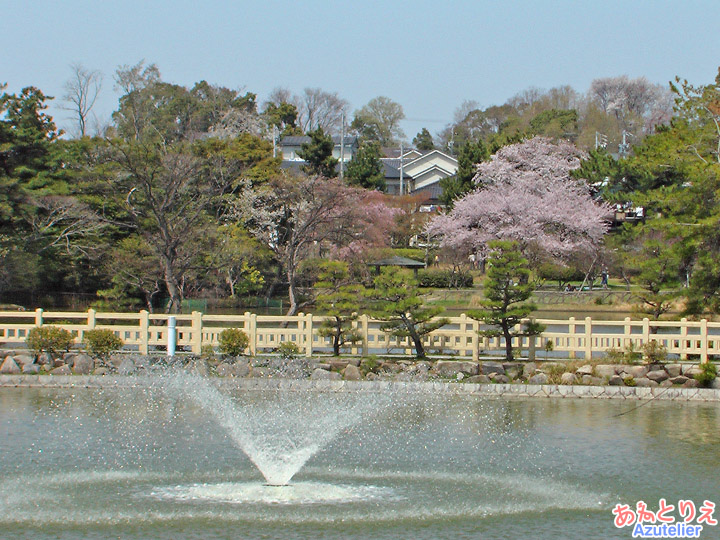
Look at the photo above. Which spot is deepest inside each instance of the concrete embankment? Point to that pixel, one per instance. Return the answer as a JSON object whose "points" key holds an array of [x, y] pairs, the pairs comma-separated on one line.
{"points": [[492, 390]]}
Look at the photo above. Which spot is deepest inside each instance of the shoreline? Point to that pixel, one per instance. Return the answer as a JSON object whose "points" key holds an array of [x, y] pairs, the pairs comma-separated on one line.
{"points": [[499, 390]]}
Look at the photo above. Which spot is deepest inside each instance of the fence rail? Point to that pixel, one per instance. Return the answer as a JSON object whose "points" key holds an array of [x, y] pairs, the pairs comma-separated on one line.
{"points": [[571, 338]]}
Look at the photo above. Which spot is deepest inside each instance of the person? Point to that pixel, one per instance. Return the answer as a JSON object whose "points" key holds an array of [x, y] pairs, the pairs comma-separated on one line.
{"points": [[604, 278]]}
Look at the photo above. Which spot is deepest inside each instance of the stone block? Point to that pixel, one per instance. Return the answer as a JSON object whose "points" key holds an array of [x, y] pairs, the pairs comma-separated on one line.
{"points": [[587, 369], [538, 378], [616, 380], [529, 369], [658, 375], [352, 373], [10, 367], [491, 367], [673, 370], [605, 370], [450, 368], [568, 378]]}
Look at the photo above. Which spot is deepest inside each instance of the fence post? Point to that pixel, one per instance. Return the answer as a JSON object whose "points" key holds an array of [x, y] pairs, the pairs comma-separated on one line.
{"points": [[91, 320], [39, 317], [308, 335], [645, 331], [572, 339], [532, 343], [704, 340], [588, 339], [683, 338], [627, 333], [144, 345], [197, 329], [365, 322], [251, 330]]}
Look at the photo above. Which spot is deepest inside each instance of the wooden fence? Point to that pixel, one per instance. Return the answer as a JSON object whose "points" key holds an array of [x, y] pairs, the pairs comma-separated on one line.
{"points": [[571, 338]]}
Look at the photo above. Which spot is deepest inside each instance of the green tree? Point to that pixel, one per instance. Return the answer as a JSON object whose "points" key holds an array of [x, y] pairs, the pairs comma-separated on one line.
{"points": [[395, 300], [506, 288], [317, 154], [365, 169], [453, 187], [423, 140], [340, 299], [379, 120]]}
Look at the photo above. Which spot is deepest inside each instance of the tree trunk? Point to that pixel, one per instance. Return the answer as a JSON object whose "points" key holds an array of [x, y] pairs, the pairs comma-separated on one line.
{"points": [[508, 341], [292, 310], [417, 338], [173, 290]]}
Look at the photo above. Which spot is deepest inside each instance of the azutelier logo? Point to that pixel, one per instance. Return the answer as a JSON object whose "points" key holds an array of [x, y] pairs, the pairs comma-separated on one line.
{"points": [[663, 523]]}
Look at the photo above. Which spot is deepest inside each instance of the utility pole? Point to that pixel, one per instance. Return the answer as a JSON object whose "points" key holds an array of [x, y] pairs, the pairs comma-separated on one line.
{"points": [[342, 147], [274, 139], [401, 169]]}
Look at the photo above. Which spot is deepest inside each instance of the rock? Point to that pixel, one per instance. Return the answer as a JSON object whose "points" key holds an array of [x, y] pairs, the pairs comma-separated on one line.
{"points": [[605, 370], [673, 370], [679, 379], [491, 367], [58, 362], [324, 375], [371, 376], [127, 367], [587, 379], [451, 368], [529, 369], [238, 369], [644, 382], [568, 378], [478, 379], [666, 383], [691, 370], [354, 361], [261, 372], [61, 370], [538, 378], [338, 365], [691, 383], [352, 373], [501, 379], [550, 367], [10, 367], [116, 359], [715, 384], [587, 369], [82, 364], [23, 359], [460, 376], [102, 371], [616, 380], [391, 367], [44, 359], [636, 372], [658, 375], [31, 369]]}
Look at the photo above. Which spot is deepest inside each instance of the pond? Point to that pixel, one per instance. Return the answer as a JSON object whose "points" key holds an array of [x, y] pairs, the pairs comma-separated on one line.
{"points": [[168, 463]]}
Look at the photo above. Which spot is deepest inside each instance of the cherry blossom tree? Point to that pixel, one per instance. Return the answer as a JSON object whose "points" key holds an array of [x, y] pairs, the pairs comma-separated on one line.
{"points": [[526, 194]]}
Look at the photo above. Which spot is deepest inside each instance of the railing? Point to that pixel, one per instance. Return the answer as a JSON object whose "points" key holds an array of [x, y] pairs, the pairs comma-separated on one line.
{"points": [[570, 338]]}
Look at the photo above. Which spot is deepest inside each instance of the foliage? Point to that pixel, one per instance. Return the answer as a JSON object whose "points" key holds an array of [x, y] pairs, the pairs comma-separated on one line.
{"points": [[49, 339], [233, 342], [318, 155], [423, 140], [708, 373], [288, 350], [340, 299], [453, 187], [563, 219], [506, 288], [379, 120], [395, 300], [365, 169], [654, 352], [101, 342], [444, 279]]}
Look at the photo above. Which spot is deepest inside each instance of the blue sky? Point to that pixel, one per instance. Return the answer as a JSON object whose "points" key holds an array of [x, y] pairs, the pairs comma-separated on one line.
{"points": [[427, 55]]}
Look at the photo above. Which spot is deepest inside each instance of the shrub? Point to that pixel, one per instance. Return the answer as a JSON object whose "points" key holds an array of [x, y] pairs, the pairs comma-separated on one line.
{"points": [[207, 352], [50, 339], [654, 352], [101, 342], [233, 341], [288, 350], [630, 381], [708, 373], [444, 279]]}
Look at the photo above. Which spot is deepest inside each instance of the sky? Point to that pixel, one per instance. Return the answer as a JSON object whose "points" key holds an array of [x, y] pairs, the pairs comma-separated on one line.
{"points": [[429, 56]]}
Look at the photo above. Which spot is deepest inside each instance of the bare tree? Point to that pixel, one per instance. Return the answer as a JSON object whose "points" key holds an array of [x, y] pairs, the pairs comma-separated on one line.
{"points": [[81, 92], [320, 109]]}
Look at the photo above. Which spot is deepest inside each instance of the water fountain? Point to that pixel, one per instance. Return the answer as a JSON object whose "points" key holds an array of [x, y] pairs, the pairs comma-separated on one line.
{"points": [[179, 458]]}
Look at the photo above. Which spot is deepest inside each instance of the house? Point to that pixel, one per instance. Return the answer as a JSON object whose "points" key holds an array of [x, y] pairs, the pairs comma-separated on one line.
{"points": [[291, 145], [421, 172]]}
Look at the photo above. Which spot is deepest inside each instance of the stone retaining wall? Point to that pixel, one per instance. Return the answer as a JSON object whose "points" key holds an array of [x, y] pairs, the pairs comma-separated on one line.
{"points": [[486, 390]]}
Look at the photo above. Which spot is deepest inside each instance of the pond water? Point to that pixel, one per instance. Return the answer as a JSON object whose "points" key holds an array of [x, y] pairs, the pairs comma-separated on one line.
{"points": [[152, 463]]}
